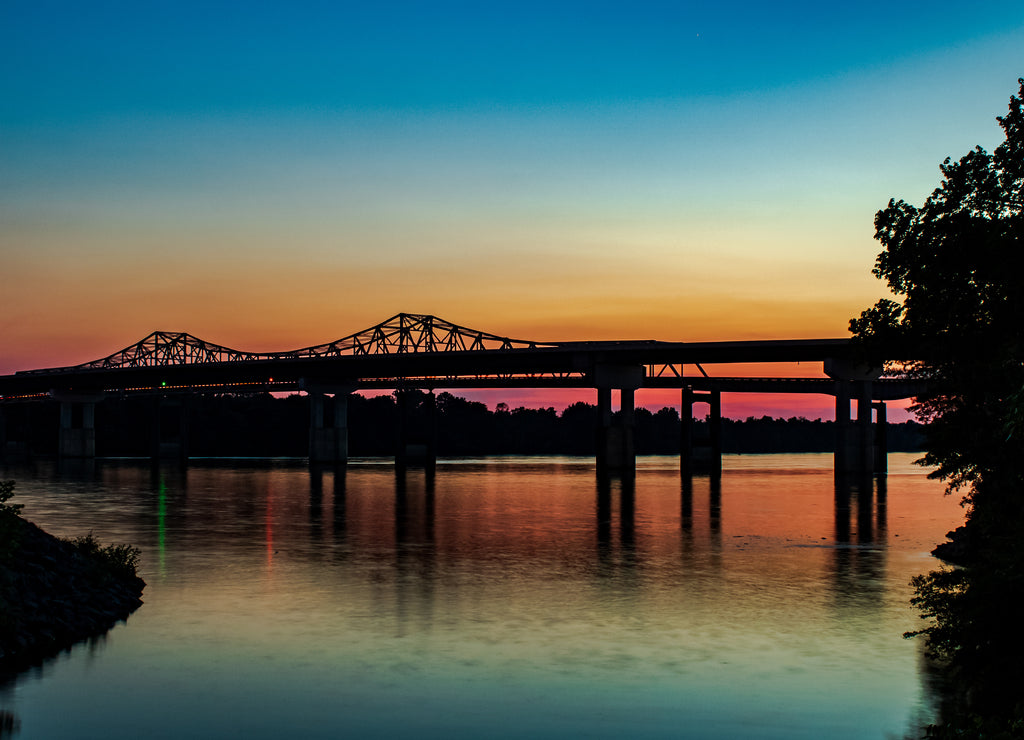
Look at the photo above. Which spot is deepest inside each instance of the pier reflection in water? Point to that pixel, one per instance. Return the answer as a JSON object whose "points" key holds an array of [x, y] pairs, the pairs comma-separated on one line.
{"points": [[503, 597]]}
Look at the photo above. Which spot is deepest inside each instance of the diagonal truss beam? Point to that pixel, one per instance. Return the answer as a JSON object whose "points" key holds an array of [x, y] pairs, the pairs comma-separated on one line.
{"points": [[403, 333]]}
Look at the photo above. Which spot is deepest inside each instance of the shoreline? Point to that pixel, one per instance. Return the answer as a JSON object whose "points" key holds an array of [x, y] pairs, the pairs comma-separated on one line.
{"points": [[54, 594]]}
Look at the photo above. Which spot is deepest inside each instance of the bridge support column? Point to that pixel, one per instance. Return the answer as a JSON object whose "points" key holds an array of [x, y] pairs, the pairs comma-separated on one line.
{"points": [[881, 438], [715, 429], [169, 435], [842, 454], [328, 441], [76, 437], [865, 433], [615, 451], [857, 440], [77, 430], [686, 432], [416, 438], [328, 438], [15, 432], [707, 456]]}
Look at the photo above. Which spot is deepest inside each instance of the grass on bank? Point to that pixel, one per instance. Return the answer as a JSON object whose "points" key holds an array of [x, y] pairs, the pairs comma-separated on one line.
{"points": [[56, 591], [118, 560]]}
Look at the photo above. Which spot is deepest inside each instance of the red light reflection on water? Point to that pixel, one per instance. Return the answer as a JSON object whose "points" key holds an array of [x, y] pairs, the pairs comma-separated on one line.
{"points": [[269, 529]]}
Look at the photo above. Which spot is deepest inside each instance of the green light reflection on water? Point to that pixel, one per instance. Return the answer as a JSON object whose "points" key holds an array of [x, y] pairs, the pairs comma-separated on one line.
{"points": [[161, 525], [508, 599]]}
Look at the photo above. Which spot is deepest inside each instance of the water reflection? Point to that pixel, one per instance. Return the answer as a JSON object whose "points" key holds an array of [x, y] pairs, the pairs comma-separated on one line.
{"points": [[77, 468], [696, 549], [860, 537], [497, 597], [415, 552], [715, 506], [616, 553]]}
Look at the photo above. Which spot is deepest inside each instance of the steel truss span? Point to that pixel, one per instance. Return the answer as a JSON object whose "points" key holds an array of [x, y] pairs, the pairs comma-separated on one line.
{"points": [[402, 333], [423, 351]]}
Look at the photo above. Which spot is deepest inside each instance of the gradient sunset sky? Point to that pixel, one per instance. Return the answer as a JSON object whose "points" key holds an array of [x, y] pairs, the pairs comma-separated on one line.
{"points": [[268, 176]]}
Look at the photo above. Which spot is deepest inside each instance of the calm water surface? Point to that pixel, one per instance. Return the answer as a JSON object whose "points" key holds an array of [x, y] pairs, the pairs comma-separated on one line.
{"points": [[507, 597]]}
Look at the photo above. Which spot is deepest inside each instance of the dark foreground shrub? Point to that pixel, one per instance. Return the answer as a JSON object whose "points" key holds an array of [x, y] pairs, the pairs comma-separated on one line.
{"points": [[120, 560]]}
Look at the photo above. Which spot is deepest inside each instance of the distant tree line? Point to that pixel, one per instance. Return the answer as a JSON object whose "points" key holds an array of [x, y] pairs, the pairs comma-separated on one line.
{"points": [[262, 425]]}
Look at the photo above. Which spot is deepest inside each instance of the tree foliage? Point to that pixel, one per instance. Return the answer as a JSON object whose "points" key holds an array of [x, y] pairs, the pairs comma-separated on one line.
{"points": [[9, 531], [957, 264], [956, 267]]}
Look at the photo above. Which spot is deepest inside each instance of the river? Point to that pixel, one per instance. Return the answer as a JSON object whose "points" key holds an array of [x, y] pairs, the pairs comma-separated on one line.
{"points": [[502, 598]]}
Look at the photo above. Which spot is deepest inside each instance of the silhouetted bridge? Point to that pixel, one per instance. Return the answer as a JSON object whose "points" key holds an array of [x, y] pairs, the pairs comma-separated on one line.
{"points": [[418, 351]]}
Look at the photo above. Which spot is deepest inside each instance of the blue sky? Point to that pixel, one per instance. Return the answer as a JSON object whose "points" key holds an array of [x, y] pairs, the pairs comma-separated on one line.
{"points": [[75, 60], [273, 175]]}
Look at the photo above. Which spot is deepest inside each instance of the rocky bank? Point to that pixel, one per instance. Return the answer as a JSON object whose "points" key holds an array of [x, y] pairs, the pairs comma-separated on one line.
{"points": [[54, 594]]}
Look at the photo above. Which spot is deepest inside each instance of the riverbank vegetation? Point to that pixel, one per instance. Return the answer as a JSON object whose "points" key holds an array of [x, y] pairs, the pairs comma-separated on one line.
{"points": [[56, 592], [956, 267]]}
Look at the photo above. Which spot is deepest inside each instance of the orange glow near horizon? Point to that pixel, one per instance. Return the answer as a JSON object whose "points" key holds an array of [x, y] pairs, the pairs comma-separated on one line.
{"points": [[67, 311], [272, 304]]}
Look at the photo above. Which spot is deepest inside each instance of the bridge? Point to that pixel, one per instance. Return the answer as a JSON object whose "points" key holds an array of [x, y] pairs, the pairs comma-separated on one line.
{"points": [[424, 352]]}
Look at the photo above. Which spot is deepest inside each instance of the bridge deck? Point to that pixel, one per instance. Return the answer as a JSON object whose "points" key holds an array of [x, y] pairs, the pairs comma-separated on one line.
{"points": [[414, 350]]}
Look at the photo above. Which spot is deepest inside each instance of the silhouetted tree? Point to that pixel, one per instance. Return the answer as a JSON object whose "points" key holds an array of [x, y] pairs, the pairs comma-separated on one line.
{"points": [[579, 422], [956, 265]]}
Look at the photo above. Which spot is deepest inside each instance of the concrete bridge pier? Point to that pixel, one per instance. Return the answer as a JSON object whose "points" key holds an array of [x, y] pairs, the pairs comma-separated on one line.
{"points": [[416, 438], [860, 445], [169, 435], [861, 441], [15, 432], [616, 454], [701, 455], [328, 423], [881, 451], [76, 436]]}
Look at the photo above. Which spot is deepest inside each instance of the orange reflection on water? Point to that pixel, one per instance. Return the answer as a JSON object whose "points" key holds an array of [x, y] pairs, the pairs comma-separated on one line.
{"points": [[772, 591]]}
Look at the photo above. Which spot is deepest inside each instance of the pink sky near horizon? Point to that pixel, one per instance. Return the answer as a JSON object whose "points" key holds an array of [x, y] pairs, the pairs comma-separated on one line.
{"points": [[734, 405]]}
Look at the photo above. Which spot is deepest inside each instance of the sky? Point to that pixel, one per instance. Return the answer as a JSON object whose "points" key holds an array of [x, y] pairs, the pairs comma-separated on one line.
{"points": [[268, 176]]}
